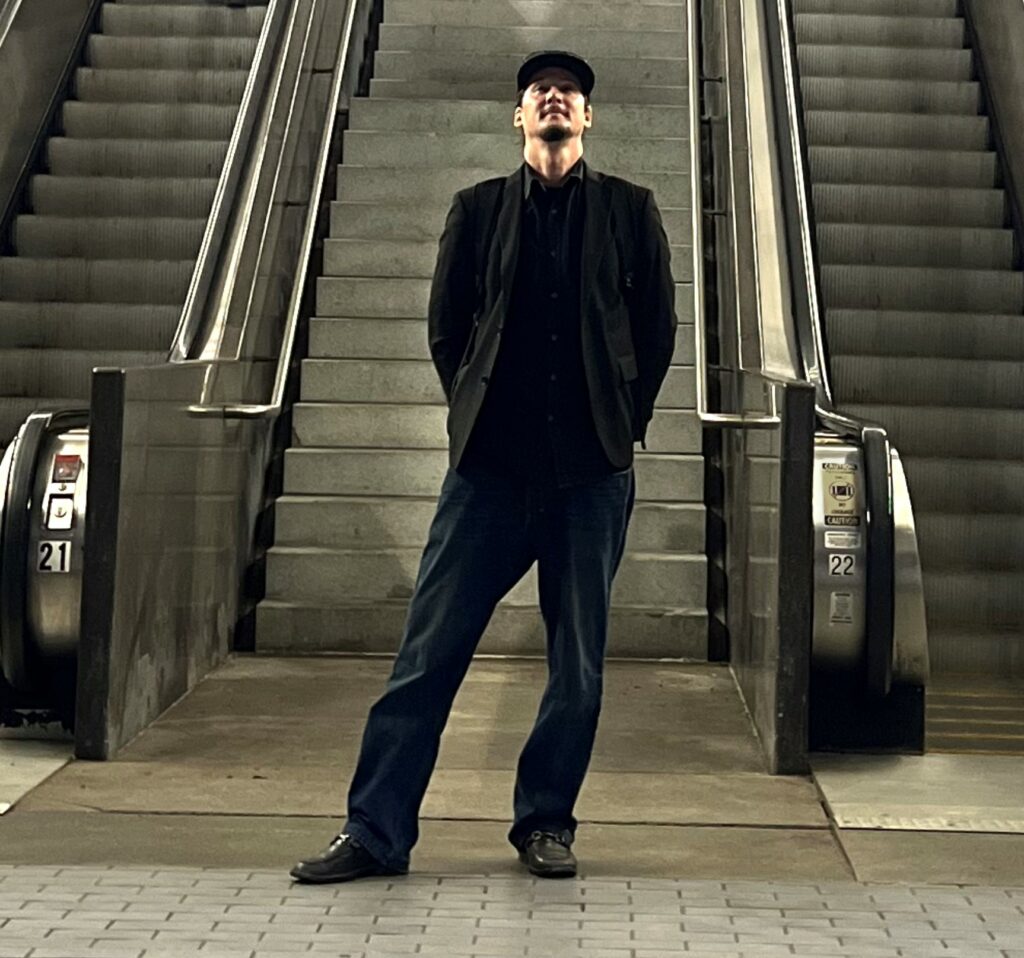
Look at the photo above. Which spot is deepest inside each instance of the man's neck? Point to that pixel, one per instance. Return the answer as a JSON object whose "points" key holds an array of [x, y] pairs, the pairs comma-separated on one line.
{"points": [[553, 161]]}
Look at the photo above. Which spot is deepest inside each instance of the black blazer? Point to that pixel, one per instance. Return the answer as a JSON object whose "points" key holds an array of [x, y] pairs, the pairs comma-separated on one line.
{"points": [[627, 304]]}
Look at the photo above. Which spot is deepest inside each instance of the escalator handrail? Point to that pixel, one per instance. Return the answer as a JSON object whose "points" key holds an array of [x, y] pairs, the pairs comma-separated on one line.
{"points": [[228, 184], [797, 207], [273, 408], [15, 524]]}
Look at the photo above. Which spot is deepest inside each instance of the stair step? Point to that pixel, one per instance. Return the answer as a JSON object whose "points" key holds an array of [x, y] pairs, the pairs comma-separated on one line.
{"points": [[470, 38], [386, 150], [484, 116], [671, 94], [419, 472], [61, 372], [192, 20], [916, 168], [436, 186], [306, 574], [96, 281], [465, 68], [972, 648], [910, 206], [888, 130], [945, 483], [148, 121], [356, 522], [880, 31], [159, 86], [934, 246], [378, 221], [942, 334], [365, 424], [121, 196], [890, 96], [108, 237], [76, 326], [376, 627], [947, 431], [884, 63], [349, 298], [537, 13], [169, 53], [146, 158], [415, 381], [905, 380], [903, 287], [895, 8], [970, 542], [407, 339]]}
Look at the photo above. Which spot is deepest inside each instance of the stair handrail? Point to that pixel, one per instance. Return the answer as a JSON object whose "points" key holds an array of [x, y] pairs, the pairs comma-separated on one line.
{"points": [[229, 182], [797, 205]]}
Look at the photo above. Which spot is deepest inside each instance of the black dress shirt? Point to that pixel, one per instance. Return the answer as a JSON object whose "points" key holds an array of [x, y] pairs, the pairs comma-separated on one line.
{"points": [[536, 421]]}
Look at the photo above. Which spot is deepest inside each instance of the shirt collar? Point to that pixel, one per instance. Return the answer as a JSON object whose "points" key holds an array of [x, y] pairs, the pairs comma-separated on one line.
{"points": [[530, 176]]}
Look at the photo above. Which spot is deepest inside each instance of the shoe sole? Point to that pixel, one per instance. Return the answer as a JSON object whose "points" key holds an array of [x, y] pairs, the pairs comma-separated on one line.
{"points": [[339, 879]]}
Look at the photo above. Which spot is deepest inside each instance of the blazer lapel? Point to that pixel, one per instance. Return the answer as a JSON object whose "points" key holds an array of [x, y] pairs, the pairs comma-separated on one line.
{"points": [[507, 227], [597, 234]]}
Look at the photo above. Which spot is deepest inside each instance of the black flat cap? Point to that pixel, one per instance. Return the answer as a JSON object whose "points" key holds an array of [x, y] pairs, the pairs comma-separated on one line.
{"points": [[543, 59]]}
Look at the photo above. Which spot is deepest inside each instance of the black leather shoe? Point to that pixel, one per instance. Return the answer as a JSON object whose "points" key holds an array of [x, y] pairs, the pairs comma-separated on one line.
{"points": [[343, 860], [548, 855]]}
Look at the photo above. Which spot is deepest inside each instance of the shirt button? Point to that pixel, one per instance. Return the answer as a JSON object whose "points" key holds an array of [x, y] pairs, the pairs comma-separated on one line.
{"points": [[551, 418], [554, 337], [554, 295], [554, 378]]}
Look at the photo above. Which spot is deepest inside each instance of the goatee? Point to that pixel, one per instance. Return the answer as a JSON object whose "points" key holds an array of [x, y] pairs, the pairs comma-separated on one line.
{"points": [[555, 134]]}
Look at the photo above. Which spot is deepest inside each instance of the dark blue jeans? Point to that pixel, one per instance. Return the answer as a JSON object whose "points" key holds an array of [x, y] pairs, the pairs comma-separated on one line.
{"points": [[486, 534]]}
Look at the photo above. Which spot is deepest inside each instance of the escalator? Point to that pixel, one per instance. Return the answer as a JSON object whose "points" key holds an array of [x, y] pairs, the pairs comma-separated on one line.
{"points": [[923, 294], [100, 244]]}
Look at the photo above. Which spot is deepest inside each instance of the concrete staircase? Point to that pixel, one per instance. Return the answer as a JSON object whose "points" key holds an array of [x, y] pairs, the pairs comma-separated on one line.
{"points": [[924, 297], [106, 246], [369, 444]]}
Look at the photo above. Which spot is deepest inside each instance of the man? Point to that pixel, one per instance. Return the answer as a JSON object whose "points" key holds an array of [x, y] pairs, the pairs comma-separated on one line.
{"points": [[551, 326]]}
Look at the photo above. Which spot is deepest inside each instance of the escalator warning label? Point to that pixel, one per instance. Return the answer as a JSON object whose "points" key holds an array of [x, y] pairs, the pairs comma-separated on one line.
{"points": [[839, 481], [840, 608]]}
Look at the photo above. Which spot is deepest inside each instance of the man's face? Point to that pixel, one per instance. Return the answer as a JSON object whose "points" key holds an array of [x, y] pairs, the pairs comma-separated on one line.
{"points": [[553, 107]]}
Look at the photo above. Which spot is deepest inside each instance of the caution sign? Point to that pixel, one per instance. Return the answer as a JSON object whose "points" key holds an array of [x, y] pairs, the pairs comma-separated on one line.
{"points": [[839, 481]]}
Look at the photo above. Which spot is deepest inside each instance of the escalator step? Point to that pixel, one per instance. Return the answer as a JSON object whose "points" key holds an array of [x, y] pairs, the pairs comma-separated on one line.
{"points": [[901, 8], [159, 86], [910, 206], [116, 196], [903, 287], [96, 281], [871, 165], [913, 381], [60, 372], [135, 326], [890, 96], [949, 432], [915, 246], [148, 121], [108, 237], [180, 20], [833, 128], [879, 31], [170, 53], [950, 484], [537, 13], [183, 158], [951, 335], [966, 541], [885, 63], [967, 598], [405, 88]]}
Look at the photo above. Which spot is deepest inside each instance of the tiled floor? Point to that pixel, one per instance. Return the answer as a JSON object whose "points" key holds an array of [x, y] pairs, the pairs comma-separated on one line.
{"points": [[119, 912]]}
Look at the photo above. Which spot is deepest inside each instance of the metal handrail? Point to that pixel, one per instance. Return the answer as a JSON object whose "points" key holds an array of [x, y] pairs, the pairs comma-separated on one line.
{"points": [[707, 417], [273, 408], [8, 11], [228, 184]]}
